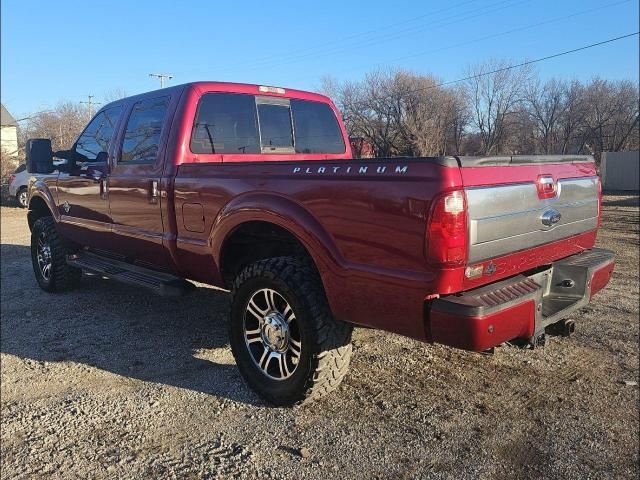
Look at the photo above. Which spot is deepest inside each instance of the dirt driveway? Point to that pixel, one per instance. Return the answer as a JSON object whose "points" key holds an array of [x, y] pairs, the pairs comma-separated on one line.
{"points": [[110, 382]]}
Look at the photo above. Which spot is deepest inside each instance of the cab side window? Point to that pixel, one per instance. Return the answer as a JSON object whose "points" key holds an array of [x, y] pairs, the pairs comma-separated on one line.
{"points": [[142, 137], [93, 143]]}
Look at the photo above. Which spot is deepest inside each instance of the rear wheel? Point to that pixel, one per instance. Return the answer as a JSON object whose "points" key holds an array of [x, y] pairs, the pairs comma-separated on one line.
{"points": [[22, 198], [287, 345], [48, 257]]}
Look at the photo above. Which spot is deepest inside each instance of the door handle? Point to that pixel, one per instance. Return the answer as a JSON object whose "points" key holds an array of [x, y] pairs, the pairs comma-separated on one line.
{"points": [[153, 192], [104, 188]]}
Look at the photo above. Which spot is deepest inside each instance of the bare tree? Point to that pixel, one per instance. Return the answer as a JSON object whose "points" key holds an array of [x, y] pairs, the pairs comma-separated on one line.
{"points": [[62, 125], [114, 94], [8, 163], [383, 107], [430, 114], [401, 113], [571, 120], [611, 115], [372, 109], [494, 92], [545, 103], [500, 110], [460, 118], [521, 137]]}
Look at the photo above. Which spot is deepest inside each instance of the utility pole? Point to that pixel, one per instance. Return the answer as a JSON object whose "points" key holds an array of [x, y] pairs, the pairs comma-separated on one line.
{"points": [[90, 104], [162, 77]]}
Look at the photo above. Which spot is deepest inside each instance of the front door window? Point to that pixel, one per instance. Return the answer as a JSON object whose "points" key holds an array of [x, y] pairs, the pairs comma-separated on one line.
{"points": [[93, 144]]}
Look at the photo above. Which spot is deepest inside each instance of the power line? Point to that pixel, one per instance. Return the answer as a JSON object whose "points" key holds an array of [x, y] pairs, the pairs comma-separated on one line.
{"points": [[494, 35], [518, 65], [451, 20], [537, 60], [386, 35], [342, 40], [33, 115]]}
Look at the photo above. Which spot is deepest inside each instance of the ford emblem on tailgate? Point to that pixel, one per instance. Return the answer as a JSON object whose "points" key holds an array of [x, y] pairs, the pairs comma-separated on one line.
{"points": [[550, 217]]}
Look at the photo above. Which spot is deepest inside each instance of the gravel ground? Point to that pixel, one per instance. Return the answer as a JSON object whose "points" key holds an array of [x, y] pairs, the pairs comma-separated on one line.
{"points": [[107, 382]]}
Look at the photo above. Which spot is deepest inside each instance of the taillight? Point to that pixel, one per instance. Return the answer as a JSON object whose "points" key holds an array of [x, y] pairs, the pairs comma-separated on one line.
{"points": [[11, 178], [546, 186], [599, 182], [446, 242]]}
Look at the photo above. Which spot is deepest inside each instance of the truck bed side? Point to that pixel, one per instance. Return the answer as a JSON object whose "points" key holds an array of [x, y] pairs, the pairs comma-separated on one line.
{"points": [[363, 223]]}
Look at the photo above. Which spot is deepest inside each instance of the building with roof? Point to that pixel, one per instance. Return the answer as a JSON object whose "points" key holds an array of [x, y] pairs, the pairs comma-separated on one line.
{"points": [[8, 133]]}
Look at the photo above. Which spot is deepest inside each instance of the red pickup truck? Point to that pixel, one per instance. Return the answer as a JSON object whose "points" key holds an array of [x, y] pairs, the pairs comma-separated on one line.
{"points": [[254, 189]]}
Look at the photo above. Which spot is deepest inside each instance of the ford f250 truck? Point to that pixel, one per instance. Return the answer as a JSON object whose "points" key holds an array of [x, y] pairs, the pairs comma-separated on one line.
{"points": [[254, 189]]}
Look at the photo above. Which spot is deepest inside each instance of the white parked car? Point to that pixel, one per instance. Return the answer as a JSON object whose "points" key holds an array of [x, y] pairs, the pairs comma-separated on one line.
{"points": [[18, 181]]}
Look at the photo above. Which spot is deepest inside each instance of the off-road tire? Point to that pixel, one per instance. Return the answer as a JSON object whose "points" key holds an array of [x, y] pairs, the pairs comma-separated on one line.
{"points": [[62, 277], [326, 342], [22, 198]]}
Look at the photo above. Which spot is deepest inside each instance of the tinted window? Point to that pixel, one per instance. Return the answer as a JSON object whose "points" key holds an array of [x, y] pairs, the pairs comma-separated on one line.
{"points": [[142, 137], [225, 123], [21, 168], [275, 127], [316, 128], [93, 144]]}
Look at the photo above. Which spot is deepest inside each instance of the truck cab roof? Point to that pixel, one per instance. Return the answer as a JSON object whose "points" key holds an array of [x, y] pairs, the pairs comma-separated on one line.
{"points": [[204, 86]]}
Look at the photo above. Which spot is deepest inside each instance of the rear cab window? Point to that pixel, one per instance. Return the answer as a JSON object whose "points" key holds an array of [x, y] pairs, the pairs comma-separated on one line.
{"points": [[316, 128], [274, 119], [234, 123], [225, 123]]}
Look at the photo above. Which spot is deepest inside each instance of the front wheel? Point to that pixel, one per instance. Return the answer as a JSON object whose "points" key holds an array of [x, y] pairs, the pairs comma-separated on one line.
{"points": [[22, 198], [48, 257], [287, 345]]}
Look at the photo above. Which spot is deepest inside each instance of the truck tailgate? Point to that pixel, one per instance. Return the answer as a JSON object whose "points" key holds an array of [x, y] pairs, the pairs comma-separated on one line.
{"points": [[509, 210]]}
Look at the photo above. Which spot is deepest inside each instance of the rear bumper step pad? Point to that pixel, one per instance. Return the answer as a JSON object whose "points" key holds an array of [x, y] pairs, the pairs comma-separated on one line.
{"points": [[521, 306]]}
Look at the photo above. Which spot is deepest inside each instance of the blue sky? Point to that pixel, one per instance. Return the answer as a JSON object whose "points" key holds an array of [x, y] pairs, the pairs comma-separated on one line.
{"points": [[57, 51]]}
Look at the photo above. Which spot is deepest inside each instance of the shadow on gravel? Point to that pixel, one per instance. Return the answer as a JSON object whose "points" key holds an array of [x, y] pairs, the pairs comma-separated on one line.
{"points": [[6, 201], [627, 199], [180, 342]]}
